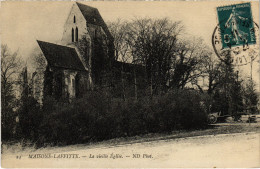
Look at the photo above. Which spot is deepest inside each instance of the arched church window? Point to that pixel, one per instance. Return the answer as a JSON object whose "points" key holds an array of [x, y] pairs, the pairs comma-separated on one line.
{"points": [[74, 19], [77, 33], [72, 35], [78, 90]]}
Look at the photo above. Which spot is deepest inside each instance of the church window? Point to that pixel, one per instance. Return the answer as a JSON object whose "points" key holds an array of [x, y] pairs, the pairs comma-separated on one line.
{"points": [[73, 86], [77, 32], [72, 35], [77, 86], [74, 19]]}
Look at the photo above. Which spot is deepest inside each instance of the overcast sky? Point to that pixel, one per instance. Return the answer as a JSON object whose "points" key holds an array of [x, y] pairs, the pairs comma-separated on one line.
{"points": [[24, 22]]}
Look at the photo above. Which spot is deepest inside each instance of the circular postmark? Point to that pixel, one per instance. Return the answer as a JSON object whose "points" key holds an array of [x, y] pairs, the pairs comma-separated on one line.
{"points": [[240, 54]]}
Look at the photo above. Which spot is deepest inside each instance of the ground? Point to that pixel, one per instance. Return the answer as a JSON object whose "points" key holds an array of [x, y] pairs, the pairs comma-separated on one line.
{"points": [[223, 145]]}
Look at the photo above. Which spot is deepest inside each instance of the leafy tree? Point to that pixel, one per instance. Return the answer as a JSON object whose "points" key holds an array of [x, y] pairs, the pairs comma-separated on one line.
{"points": [[29, 108], [250, 96], [228, 95]]}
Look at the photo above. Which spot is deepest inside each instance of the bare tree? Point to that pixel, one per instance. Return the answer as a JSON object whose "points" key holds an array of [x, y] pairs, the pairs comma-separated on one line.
{"points": [[10, 67], [152, 44], [210, 72], [36, 82], [123, 56], [187, 60], [119, 30]]}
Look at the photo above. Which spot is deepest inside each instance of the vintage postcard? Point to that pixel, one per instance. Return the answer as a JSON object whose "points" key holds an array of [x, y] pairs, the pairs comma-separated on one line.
{"points": [[130, 84]]}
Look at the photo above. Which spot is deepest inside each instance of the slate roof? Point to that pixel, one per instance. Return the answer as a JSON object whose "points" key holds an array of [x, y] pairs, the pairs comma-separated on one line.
{"points": [[93, 16], [61, 56]]}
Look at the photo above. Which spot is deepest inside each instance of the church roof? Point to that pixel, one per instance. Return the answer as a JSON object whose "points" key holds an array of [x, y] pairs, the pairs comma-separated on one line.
{"points": [[93, 16], [61, 56]]}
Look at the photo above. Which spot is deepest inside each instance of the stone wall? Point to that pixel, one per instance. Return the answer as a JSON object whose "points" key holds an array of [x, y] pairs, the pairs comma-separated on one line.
{"points": [[80, 24], [95, 56], [65, 83]]}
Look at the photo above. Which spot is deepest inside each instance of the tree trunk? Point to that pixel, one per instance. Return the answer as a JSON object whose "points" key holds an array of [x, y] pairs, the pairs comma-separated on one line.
{"points": [[123, 84], [135, 83]]}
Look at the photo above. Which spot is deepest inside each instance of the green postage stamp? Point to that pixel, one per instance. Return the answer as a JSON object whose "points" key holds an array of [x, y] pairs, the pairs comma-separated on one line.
{"points": [[236, 25]]}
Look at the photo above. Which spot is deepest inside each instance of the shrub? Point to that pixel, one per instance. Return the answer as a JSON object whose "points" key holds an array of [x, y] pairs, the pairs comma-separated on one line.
{"points": [[98, 116], [29, 118], [7, 124]]}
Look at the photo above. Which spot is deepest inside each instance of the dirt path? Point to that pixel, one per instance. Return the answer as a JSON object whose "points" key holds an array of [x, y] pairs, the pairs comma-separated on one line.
{"points": [[233, 150]]}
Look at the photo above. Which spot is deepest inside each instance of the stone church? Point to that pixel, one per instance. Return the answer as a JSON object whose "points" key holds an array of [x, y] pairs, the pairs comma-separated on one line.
{"points": [[85, 52]]}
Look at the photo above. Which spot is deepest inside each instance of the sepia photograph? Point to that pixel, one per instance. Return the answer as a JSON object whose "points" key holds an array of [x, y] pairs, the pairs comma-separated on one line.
{"points": [[130, 84]]}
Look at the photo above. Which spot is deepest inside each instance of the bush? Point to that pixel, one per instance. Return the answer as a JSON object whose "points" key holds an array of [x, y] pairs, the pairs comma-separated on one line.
{"points": [[7, 124], [98, 116], [29, 118]]}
